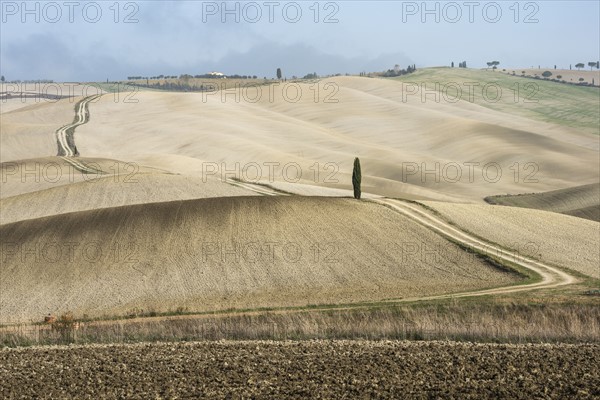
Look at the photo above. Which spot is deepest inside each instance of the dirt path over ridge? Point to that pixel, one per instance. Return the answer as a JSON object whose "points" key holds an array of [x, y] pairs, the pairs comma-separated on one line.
{"points": [[65, 136], [550, 276]]}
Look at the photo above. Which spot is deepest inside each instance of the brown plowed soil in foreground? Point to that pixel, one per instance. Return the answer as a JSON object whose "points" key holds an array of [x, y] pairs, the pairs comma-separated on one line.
{"points": [[303, 370]]}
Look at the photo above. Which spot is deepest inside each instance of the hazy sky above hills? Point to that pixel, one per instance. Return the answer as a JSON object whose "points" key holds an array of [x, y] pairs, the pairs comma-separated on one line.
{"points": [[82, 41]]}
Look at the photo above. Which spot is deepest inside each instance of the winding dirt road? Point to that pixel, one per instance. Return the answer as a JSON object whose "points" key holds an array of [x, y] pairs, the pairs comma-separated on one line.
{"points": [[65, 136], [551, 276]]}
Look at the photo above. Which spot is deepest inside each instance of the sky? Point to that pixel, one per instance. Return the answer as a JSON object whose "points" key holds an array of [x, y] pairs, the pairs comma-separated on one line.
{"points": [[95, 41]]}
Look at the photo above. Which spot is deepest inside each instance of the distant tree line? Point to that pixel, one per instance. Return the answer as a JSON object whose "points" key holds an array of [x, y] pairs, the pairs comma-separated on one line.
{"points": [[139, 78], [188, 77], [546, 75], [3, 79], [591, 64], [177, 86], [399, 72], [242, 76]]}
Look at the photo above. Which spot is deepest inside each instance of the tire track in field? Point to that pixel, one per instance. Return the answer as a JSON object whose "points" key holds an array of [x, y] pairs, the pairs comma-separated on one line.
{"points": [[551, 277], [64, 134], [66, 140]]}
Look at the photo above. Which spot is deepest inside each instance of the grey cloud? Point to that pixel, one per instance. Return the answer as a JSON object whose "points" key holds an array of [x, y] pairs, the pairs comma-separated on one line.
{"points": [[299, 60]]}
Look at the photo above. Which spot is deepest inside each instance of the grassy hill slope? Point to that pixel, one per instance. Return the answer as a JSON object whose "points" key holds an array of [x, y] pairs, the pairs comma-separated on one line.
{"points": [[538, 99]]}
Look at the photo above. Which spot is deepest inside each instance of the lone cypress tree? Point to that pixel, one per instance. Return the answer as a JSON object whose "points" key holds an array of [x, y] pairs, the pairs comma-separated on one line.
{"points": [[356, 178]]}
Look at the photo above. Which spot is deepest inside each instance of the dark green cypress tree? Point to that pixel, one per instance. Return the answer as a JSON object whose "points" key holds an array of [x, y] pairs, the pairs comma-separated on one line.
{"points": [[356, 178]]}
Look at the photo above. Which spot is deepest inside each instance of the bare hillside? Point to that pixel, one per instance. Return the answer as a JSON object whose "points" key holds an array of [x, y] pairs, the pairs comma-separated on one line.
{"points": [[58, 187], [221, 253], [580, 201], [441, 150], [559, 239]]}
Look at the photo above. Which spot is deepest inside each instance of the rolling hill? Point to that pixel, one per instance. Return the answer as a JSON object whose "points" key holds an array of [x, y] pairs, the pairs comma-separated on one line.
{"points": [[181, 232], [472, 149], [222, 253], [580, 201], [561, 240]]}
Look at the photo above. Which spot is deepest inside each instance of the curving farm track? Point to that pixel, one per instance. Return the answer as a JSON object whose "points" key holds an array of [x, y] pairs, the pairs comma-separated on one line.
{"points": [[551, 276], [65, 136]]}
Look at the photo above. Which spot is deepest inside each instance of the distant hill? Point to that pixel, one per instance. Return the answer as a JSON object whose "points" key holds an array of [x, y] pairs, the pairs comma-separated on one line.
{"points": [[580, 201], [538, 99]]}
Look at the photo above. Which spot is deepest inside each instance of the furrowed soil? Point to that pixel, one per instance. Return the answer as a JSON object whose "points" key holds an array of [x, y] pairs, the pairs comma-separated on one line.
{"points": [[580, 201], [549, 237], [316, 369], [175, 255], [396, 132]]}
